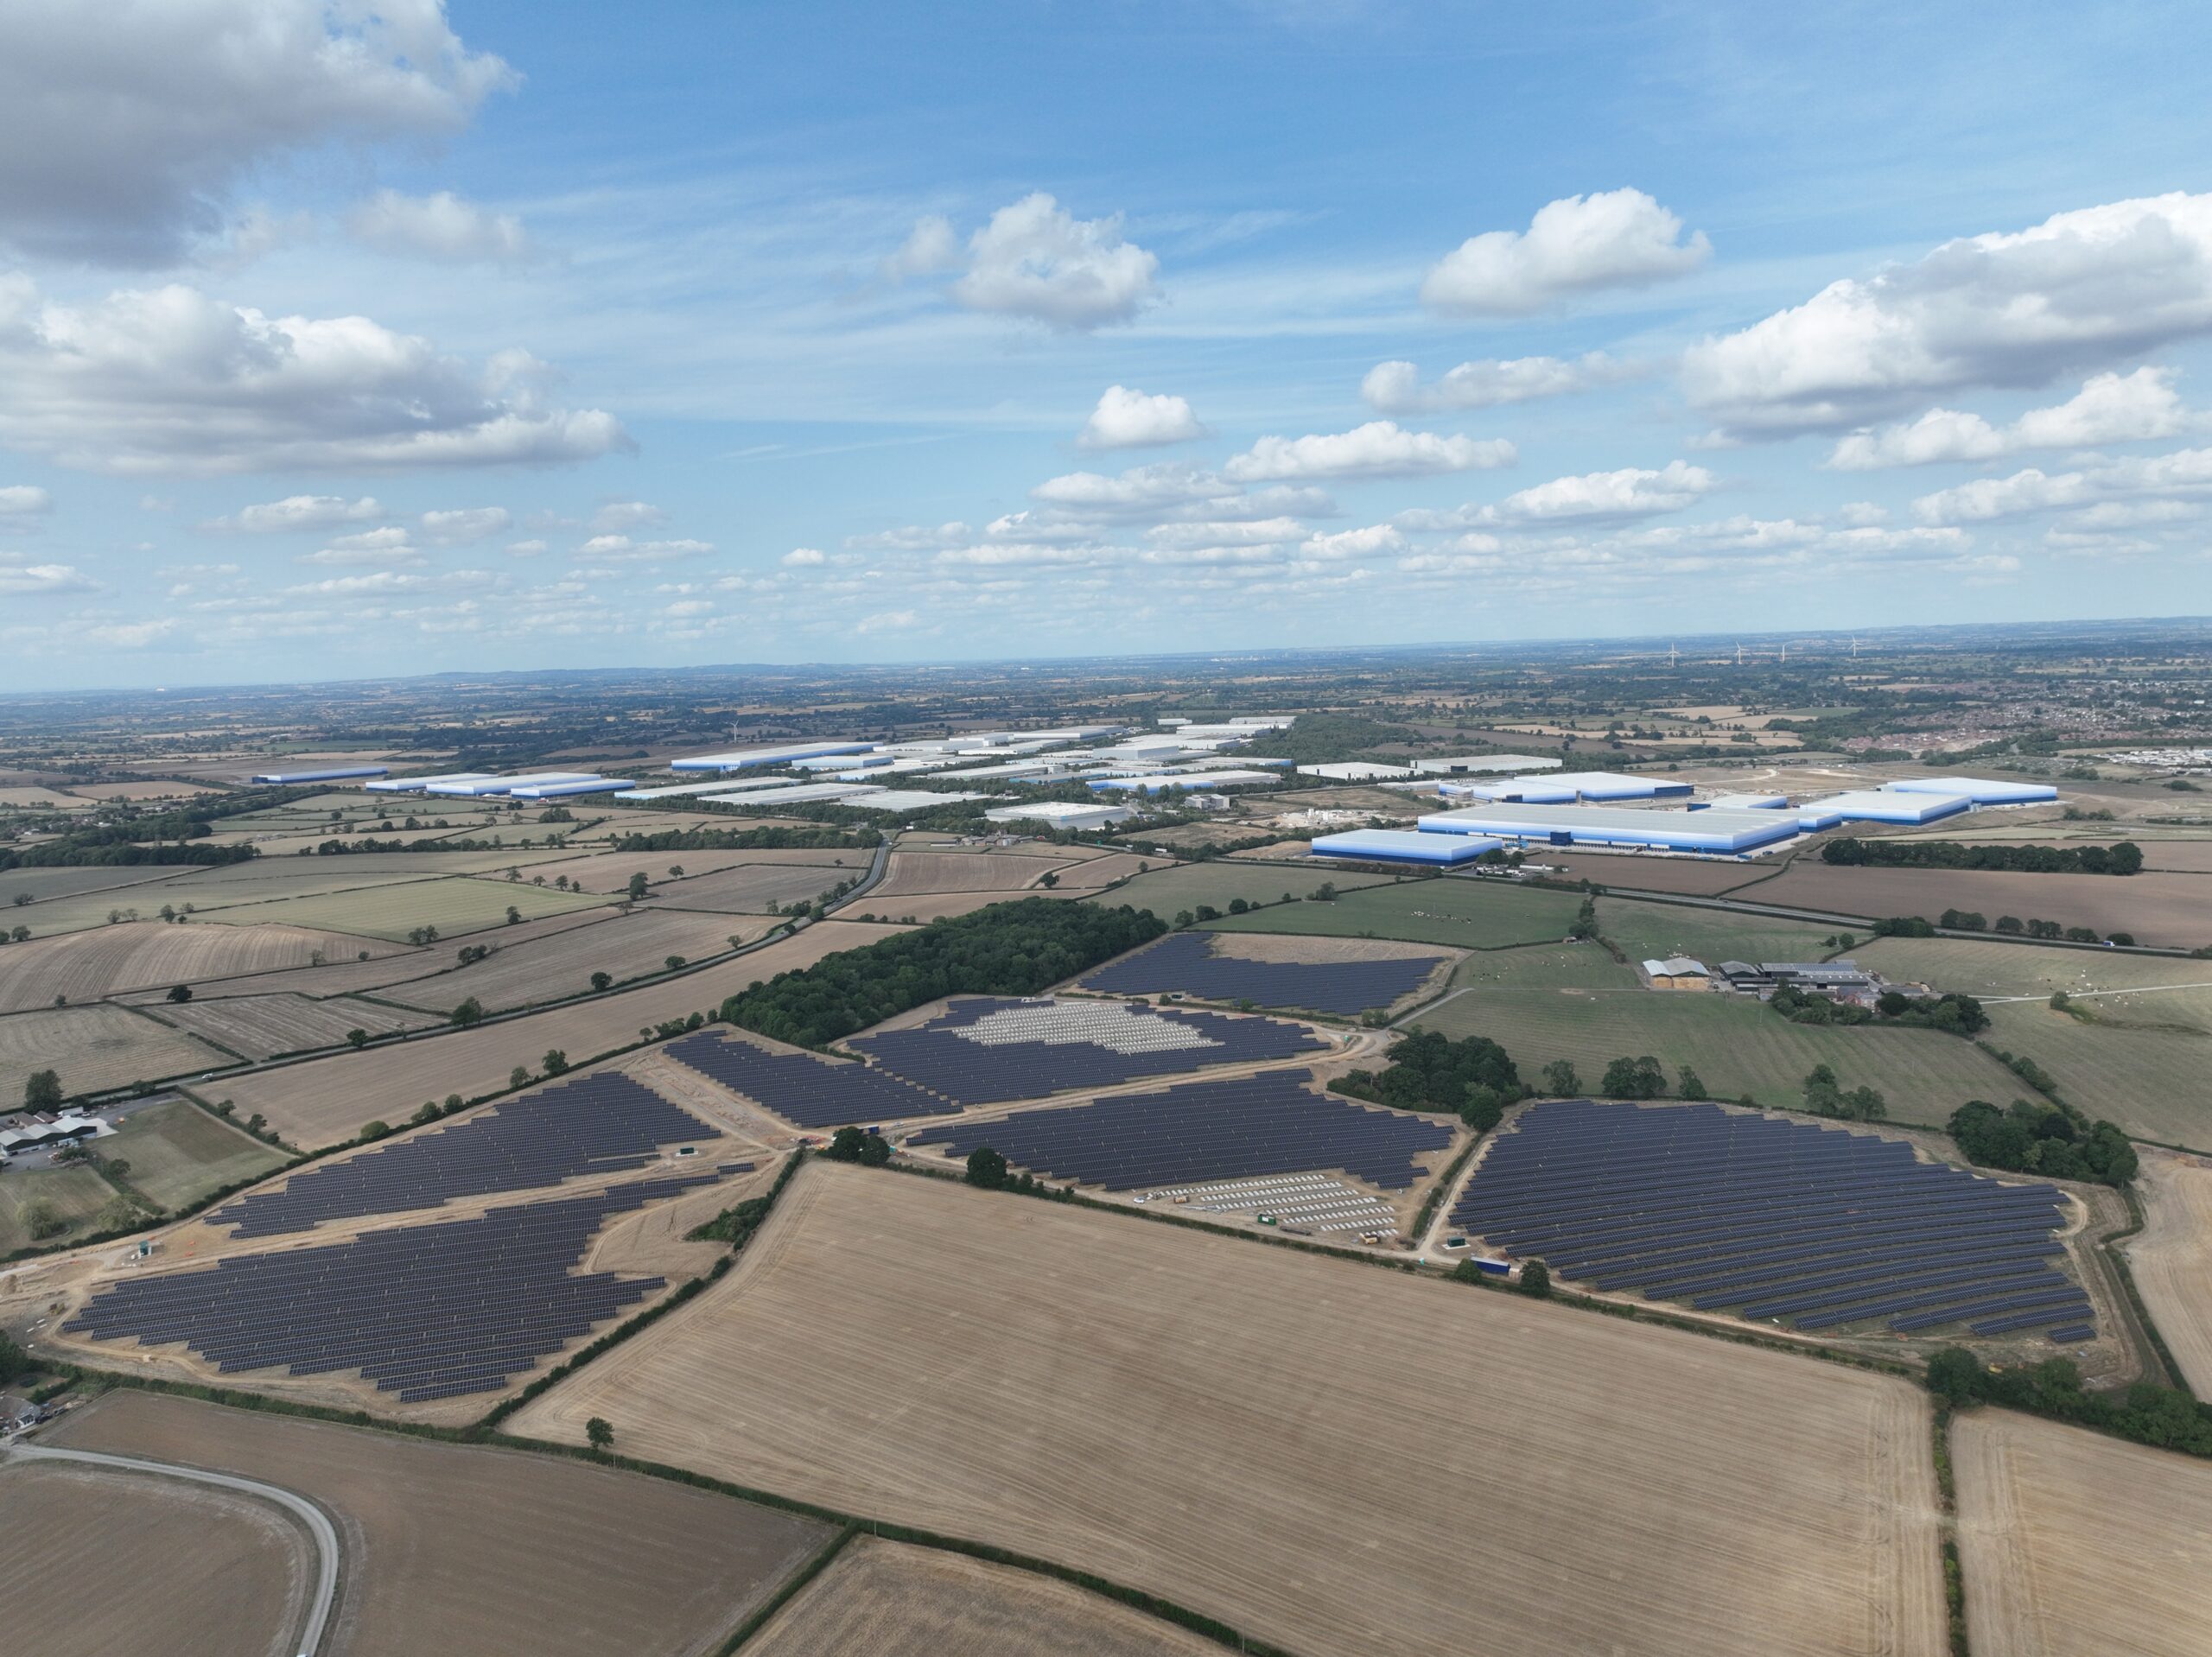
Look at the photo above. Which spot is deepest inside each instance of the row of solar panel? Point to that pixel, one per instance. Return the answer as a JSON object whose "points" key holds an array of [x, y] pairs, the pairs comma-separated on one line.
{"points": [[1191, 964]]}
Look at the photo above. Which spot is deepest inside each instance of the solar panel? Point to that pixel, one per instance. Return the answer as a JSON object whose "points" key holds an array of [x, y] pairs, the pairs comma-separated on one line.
{"points": [[1267, 1124], [1192, 964], [986, 1050], [424, 1312], [1769, 1219], [608, 1122], [802, 1089]]}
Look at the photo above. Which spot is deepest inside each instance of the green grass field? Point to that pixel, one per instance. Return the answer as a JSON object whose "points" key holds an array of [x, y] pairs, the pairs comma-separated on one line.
{"points": [[2152, 1081], [1469, 914], [454, 906], [178, 1153], [1647, 930], [1987, 970], [1545, 966], [1186, 886], [77, 1194], [1736, 1045]]}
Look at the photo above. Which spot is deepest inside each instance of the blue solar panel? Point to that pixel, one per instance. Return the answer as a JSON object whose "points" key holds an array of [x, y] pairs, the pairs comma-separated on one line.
{"points": [[1191, 963], [802, 1089], [1769, 1219]]}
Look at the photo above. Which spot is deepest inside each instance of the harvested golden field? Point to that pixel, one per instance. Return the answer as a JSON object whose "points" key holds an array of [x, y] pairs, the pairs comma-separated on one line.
{"points": [[1095, 871], [1186, 886], [2075, 1545], [37, 884], [1332, 1457], [749, 888], [96, 1048], [390, 964], [1691, 876], [2171, 1259], [890, 1600], [943, 870], [261, 1026], [36, 796], [327, 1100], [179, 1153], [467, 1552], [611, 871], [456, 905], [102, 1562], [921, 908], [551, 968], [2167, 909], [146, 955]]}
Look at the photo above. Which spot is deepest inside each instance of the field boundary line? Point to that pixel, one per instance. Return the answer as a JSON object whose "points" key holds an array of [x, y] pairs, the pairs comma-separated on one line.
{"points": [[2108, 1245], [822, 1557], [1947, 1530]]}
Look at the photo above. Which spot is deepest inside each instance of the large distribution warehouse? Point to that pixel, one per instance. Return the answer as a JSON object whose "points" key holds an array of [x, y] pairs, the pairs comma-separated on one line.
{"points": [[1715, 830]]}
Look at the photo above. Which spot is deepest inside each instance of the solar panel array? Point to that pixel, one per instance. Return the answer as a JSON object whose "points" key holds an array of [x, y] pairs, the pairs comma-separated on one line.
{"points": [[985, 1050], [800, 1087], [426, 1312], [1267, 1124], [606, 1123], [1772, 1219], [1189, 962]]}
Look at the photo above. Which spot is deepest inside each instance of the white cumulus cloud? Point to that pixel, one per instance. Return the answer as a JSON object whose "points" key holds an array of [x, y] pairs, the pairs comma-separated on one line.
{"points": [[308, 513], [1630, 492], [1131, 419], [21, 579], [1036, 260], [1380, 449], [2109, 408], [442, 226], [24, 500], [1395, 388], [2005, 309], [617, 516], [465, 524], [124, 126], [1612, 238], [885, 621]]}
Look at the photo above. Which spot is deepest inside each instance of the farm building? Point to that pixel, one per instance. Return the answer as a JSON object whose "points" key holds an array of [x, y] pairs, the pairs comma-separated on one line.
{"points": [[1476, 764], [1840, 980], [1981, 790], [1598, 825], [1870, 805], [328, 774], [1678, 972], [1061, 813], [1404, 845]]}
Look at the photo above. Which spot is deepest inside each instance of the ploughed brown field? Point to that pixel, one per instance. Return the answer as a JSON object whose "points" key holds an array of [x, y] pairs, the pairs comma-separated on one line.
{"points": [[2171, 1259], [2156, 907], [142, 955], [101, 1563], [919, 871], [95, 1048], [554, 967], [2075, 1545], [261, 1026], [890, 1600], [1332, 1457], [324, 1101], [468, 1552]]}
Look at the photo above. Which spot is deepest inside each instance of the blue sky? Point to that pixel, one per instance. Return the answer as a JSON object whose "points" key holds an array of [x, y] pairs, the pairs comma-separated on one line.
{"points": [[338, 341]]}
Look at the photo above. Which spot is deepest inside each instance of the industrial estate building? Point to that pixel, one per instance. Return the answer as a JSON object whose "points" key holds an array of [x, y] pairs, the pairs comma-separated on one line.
{"points": [[1405, 845]]}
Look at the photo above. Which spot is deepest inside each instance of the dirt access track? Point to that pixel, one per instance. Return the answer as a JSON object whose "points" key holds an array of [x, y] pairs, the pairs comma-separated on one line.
{"points": [[1330, 1457], [467, 1552]]}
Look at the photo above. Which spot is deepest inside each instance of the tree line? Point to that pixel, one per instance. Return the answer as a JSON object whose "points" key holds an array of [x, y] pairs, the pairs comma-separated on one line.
{"points": [[2145, 1413], [773, 837], [2125, 858], [1471, 1077], [2053, 1139]]}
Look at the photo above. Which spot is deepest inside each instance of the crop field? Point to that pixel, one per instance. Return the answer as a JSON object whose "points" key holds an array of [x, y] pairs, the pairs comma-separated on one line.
{"points": [[926, 906], [471, 1551], [456, 905], [2149, 1081], [935, 871], [1095, 871], [183, 1569], [178, 1153], [610, 872], [1645, 931], [96, 1048], [1186, 886], [46, 796], [327, 1100], [1736, 1046], [1465, 914], [2079, 1546], [389, 964], [1694, 876], [1545, 966], [261, 1026], [146, 955], [1201, 1417], [38, 883], [89, 911], [1992, 968], [891, 1600], [749, 888], [2171, 1259], [76, 1194], [624, 947], [2169, 909]]}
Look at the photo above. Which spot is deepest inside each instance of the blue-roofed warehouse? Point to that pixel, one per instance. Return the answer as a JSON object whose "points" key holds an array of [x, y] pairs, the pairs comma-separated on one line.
{"points": [[1715, 830], [1404, 845]]}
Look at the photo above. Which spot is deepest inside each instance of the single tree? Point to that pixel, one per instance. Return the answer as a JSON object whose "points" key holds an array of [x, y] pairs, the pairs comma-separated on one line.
{"points": [[518, 1076], [673, 963], [514, 916], [845, 1145], [1955, 1375], [986, 1167], [1536, 1278], [1559, 1079], [180, 992], [1049, 880], [600, 981], [555, 1063], [357, 1039], [469, 1013], [42, 1090], [876, 1150], [375, 1130], [636, 886], [599, 1434], [43, 1220], [1688, 1084]]}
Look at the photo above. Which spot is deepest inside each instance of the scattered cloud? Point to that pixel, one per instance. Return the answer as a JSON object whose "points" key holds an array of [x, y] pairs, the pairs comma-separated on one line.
{"points": [[885, 621], [131, 635], [22, 579], [441, 227], [1036, 260], [122, 127], [21, 501], [465, 524], [388, 547], [309, 514], [1613, 239], [171, 380], [1395, 388], [1631, 492], [532, 549], [805, 558], [2003, 310], [617, 516], [2109, 408], [1131, 419], [621, 549], [1378, 449], [1370, 543], [932, 249]]}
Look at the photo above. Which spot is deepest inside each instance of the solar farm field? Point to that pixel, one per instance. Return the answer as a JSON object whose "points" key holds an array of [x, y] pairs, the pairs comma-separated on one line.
{"points": [[890, 1600], [1186, 886], [1208, 1411], [142, 955], [1736, 1046], [96, 1048], [2075, 1545], [2171, 1259], [179, 1153], [553, 967], [1645, 931], [472, 1551], [75, 1194], [2174, 911], [456, 905], [261, 1026], [2151, 1081], [327, 1100], [193, 1569], [1465, 914], [1342, 976]]}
